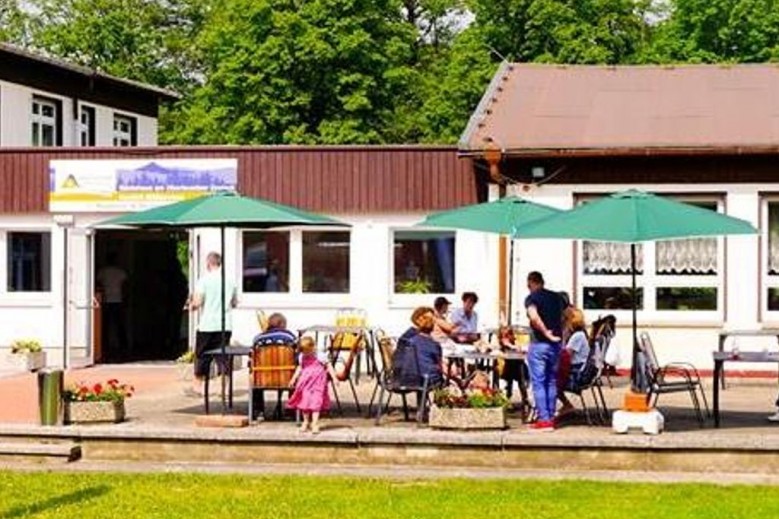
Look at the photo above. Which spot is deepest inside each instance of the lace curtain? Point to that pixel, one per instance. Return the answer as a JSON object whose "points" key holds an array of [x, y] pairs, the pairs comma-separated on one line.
{"points": [[773, 238], [610, 258], [693, 256]]}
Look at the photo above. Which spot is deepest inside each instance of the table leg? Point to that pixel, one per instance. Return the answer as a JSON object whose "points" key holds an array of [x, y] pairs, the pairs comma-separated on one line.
{"points": [[721, 347], [206, 384], [230, 386], [716, 387]]}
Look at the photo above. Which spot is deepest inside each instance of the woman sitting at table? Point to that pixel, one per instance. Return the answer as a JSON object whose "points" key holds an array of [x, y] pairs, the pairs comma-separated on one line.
{"points": [[443, 327], [573, 358], [429, 357]]}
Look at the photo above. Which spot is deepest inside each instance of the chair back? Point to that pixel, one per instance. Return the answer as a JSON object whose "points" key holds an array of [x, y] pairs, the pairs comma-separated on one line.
{"points": [[386, 350], [354, 350], [645, 345], [345, 341], [273, 365]]}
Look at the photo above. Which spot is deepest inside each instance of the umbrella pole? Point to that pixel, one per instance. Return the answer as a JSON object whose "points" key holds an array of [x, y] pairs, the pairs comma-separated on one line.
{"points": [[634, 358], [511, 278], [224, 334]]}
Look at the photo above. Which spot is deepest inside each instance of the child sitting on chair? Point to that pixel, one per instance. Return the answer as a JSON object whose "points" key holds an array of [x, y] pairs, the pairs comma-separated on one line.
{"points": [[510, 370], [310, 381]]}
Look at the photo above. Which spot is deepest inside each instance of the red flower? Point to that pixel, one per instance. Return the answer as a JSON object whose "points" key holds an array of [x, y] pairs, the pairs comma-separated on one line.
{"points": [[97, 389]]}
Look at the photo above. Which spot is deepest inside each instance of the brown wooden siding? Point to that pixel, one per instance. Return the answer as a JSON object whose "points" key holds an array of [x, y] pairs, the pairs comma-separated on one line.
{"points": [[650, 170], [327, 179]]}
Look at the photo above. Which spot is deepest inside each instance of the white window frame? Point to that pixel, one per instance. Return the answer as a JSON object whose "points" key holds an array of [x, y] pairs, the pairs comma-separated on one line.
{"points": [[118, 135], [34, 298], [43, 120], [295, 297], [650, 281], [410, 300], [767, 281], [85, 129]]}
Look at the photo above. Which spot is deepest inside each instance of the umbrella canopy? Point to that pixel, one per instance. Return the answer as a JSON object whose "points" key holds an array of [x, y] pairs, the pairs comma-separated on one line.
{"points": [[633, 217], [221, 209], [503, 216]]}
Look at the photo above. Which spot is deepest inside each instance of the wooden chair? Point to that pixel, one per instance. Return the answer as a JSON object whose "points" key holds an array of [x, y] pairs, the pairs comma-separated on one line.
{"points": [[354, 344], [271, 368]]}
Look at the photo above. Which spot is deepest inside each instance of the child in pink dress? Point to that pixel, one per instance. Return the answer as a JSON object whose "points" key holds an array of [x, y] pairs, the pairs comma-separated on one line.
{"points": [[310, 382]]}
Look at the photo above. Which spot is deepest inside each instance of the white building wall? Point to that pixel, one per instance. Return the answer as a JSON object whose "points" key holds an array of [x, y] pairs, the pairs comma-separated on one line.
{"points": [[16, 119], [678, 337]]}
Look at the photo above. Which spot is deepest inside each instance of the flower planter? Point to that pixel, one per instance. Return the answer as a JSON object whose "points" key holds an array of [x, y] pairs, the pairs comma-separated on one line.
{"points": [[94, 412], [467, 418], [26, 361]]}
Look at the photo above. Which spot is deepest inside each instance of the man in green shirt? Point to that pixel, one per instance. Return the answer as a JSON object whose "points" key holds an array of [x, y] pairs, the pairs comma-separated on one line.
{"points": [[206, 300]]}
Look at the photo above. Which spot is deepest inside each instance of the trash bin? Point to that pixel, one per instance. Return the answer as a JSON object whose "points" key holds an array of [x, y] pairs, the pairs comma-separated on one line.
{"points": [[50, 396]]}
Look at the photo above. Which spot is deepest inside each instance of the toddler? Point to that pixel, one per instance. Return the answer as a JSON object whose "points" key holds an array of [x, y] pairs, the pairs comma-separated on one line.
{"points": [[310, 381]]}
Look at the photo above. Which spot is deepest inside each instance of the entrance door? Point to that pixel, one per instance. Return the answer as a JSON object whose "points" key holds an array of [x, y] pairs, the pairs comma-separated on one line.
{"points": [[81, 302]]}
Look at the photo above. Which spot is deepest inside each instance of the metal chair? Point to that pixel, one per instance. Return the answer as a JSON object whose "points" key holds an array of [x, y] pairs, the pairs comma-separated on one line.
{"points": [[685, 378], [394, 379], [354, 344], [595, 384]]}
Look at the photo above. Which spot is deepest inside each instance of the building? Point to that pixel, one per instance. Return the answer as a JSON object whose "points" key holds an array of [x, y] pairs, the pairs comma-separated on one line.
{"points": [[50, 251], [702, 133], [48, 102]]}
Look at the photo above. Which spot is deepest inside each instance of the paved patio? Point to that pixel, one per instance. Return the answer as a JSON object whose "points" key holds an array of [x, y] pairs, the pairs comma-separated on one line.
{"points": [[160, 402]]}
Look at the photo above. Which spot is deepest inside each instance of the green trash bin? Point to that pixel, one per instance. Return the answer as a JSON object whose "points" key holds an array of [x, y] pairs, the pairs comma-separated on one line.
{"points": [[50, 396]]}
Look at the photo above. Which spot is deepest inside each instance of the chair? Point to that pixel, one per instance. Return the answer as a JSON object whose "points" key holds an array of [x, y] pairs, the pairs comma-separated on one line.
{"points": [[354, 344], [605, 327], [595, 385], [271, 368], [392, 379], [686, 378], [344, 341]]}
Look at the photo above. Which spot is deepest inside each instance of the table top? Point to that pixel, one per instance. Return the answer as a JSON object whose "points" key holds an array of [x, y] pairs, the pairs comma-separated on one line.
{"points": [[745, 356], [230, 351], [763, 332], [515, 327], [327, 328], [475, 355]]}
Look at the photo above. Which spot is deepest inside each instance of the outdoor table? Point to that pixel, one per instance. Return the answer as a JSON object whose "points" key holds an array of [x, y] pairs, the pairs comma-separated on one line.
{"points": [[721, 357], [230, 352], [489, 332], [367, 332], [489, 358], [724, 334]]}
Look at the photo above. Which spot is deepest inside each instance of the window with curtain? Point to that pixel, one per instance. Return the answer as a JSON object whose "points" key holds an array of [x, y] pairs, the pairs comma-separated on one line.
{"points": [[672, 275], [326, 261], [29, 262], [423, 262], [772, 255], [266, 261]]}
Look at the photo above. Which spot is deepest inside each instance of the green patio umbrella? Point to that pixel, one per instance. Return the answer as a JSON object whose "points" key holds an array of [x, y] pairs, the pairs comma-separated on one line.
{"points": [[222, 209], [633, 217], [503, 216]]}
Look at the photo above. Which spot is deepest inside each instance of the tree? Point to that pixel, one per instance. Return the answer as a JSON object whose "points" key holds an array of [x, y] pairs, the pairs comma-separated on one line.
{"points": [[287, 71], [12, 22], [712, 31]]}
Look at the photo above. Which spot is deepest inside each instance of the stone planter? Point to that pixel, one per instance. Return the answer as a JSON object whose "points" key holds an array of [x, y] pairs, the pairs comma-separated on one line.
{"points": [[467, 418], [26, 361], [94, 412]]}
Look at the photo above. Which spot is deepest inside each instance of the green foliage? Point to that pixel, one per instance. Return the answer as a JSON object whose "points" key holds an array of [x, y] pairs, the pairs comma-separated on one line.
{"points": [[64, 495], [413, 286], [26, 346]]}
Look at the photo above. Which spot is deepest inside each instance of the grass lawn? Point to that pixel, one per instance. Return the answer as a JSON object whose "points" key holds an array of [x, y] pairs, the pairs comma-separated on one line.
{"points": [[190, 496]]}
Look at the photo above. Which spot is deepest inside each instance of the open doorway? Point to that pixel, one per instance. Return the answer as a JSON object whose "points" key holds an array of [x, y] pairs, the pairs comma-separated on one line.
{"points": [[141, 281]]}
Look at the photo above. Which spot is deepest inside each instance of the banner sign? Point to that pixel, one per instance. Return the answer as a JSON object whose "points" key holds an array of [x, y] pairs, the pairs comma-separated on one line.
{"points": [[133, 185]]}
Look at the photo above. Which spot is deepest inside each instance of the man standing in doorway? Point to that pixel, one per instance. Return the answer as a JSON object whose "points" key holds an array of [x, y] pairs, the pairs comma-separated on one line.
{"points": [[545, 312], [207, 301], [111, 280]]}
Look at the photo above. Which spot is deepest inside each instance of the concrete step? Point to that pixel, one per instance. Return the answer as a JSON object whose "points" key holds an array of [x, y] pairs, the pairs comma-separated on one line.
{"points": [[39, 451]]}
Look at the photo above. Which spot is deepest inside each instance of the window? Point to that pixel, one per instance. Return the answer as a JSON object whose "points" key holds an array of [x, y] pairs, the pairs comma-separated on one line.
{"points": [[326, 261], [29, 262], [46, 117], [672, 275], [266, 261], [772, 256], [86, 125], [125, 131], [423, 262]]}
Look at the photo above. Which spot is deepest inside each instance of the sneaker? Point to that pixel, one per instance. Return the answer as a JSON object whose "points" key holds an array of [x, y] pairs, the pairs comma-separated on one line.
{"points": [[774, 417], [542, 426]]}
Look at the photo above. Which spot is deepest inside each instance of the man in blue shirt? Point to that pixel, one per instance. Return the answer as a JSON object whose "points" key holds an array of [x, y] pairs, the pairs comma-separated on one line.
{"points": [[465, 319], [545, 312]]}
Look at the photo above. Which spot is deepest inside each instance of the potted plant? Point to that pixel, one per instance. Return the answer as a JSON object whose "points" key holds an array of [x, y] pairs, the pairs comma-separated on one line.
{"points": [[26, 354], [96, 403], [186, 365], [472, 408], [413, 286]]}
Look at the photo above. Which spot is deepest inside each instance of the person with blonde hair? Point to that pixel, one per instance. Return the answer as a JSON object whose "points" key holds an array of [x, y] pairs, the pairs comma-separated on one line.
{"points": [[310, 381], [573, 357]]}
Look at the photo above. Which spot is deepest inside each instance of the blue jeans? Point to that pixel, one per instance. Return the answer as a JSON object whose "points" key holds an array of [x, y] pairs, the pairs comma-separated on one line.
{"points": [[542, 360]]}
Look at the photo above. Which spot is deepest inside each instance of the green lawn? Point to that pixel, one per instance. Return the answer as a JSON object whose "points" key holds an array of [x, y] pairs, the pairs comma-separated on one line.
{"points": [[190, 496]]}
